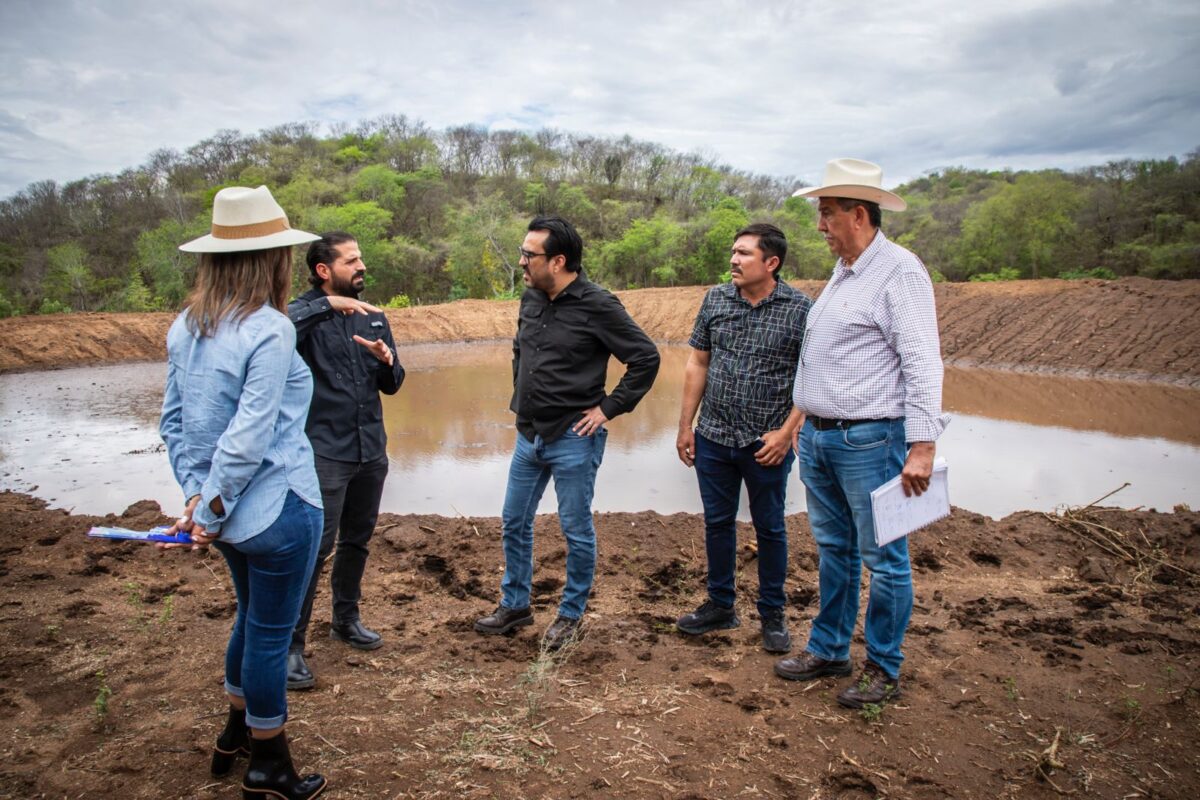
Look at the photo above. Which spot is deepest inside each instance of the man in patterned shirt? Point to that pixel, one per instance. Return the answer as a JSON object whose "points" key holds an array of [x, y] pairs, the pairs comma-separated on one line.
{"points": [[870, 383], [744, 349]]}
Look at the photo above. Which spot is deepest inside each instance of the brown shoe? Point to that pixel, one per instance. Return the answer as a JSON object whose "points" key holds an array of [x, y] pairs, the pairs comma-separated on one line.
{"points": [[874, 687], [806, 667], [562, 631]]}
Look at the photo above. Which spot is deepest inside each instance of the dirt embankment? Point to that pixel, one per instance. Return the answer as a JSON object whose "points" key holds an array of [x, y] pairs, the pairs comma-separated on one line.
{"points": [[1039, 664], [1132, 328]]}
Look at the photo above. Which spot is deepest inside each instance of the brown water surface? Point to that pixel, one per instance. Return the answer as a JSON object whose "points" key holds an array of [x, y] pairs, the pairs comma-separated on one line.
{"points": [[87, 438]]}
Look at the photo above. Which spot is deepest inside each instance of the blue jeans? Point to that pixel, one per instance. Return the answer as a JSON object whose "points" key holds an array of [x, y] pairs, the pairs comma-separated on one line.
{"points": [[840, 468], [720, 470], [572, 460], [270, 573]]}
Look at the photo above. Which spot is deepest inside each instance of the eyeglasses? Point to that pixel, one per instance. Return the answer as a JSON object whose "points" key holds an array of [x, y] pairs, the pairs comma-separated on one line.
{"points": [[528, 255]]}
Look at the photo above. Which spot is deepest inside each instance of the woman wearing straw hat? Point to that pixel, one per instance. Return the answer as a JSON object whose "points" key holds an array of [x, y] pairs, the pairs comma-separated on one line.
{"points": [[233, 421]]}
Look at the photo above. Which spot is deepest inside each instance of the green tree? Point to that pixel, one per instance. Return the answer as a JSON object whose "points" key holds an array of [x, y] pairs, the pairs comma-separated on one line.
{"points": [[1029, 225], [170, 271], [648, 245], [69, 282], [715, 230]]}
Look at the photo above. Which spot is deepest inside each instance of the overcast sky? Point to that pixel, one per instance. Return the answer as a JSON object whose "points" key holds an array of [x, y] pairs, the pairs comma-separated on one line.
{"points": [[773, 87]]}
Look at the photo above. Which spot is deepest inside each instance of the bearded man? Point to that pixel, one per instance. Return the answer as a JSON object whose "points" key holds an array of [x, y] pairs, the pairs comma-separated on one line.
{"points": [[348, 346]]}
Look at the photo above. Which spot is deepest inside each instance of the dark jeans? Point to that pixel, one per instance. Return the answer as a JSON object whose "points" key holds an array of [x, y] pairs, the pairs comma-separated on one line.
{"points": [[351, 494], [721, 471], [269, 573]]}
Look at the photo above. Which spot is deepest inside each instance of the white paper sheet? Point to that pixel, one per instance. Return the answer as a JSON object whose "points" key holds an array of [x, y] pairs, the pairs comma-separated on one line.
{"points": [[896, 515]]}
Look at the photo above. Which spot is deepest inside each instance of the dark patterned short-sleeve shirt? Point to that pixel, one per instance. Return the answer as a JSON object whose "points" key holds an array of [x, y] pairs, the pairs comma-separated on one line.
{"points": [[753, 353]]}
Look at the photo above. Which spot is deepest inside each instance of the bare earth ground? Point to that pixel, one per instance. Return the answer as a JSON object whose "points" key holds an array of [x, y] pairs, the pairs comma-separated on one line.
{"points": [[1132, 328], [1048, 656], [1038, 665]]}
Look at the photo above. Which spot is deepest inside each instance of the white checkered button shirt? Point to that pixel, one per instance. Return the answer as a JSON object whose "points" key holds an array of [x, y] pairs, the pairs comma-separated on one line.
{"points": [[871, 347]]}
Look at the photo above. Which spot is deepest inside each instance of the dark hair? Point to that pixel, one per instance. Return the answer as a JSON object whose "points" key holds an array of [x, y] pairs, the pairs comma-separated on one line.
{"points": [[874, 214], [771, 241], [562, 240], [232, 286], [323, 251]]}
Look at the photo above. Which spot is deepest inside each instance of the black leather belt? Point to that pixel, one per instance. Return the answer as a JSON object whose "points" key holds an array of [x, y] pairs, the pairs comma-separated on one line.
{"points": [[824, 424]]}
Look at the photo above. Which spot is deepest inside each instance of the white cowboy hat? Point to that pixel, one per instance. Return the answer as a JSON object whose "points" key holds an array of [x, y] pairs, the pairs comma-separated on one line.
{"points": [[247, 219], [857, 180]]}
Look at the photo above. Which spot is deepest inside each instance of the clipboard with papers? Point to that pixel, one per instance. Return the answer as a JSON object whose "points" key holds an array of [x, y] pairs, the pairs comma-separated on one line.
{"points": [[896, 515]]}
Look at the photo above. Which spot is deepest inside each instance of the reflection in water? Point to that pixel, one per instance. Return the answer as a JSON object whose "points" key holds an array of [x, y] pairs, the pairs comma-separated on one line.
{"points": [[88, 438]]}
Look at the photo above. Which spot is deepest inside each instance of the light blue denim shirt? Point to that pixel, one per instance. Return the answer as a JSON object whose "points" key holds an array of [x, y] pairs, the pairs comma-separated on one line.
{"points": [[233, 421]]}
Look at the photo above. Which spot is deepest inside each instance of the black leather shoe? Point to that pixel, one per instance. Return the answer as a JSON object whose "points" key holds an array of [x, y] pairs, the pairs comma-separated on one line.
{"points": [[708, 617], [874, 687], [561, 632], [807, 667], [503, 620], [299, 676], [776, 638], [354, 634]]}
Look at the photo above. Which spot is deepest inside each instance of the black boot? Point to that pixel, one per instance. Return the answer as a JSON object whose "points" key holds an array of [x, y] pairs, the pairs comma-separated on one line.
{"points": [[234, 741], [271, 775]]}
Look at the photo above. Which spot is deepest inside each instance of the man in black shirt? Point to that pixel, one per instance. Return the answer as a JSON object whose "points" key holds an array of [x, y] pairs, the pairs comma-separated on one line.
{"points": [[568, 328], [349, 348]]}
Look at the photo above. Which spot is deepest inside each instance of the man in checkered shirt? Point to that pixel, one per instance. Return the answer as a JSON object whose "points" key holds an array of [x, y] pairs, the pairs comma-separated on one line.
{"points": [[744, 349], [870, 383]]}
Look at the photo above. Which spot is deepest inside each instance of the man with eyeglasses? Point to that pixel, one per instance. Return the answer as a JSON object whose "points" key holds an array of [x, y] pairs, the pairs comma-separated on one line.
{"points": [[870, 382], [566, 331], [745, 344]]}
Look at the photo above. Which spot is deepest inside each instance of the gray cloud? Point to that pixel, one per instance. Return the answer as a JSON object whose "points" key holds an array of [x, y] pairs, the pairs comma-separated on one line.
{"points": [[775, 87]]}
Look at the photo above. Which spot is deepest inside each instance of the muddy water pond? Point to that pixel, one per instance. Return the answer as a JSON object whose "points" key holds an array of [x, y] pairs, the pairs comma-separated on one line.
{"points": [[86, 439]]}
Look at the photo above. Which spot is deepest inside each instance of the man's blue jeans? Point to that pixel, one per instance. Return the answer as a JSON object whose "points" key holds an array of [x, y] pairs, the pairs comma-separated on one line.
{"points": [[840, 468], [720, 469], [270, 573], [572, 460]]}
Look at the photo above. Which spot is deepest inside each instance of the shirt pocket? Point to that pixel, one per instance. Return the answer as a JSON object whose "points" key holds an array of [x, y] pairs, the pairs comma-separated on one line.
{"points": [[571, 332]]}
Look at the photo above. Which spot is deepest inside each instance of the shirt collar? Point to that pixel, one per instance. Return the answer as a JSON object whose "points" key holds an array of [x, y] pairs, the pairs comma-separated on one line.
{"points": [[781, 288], [865, 256]]}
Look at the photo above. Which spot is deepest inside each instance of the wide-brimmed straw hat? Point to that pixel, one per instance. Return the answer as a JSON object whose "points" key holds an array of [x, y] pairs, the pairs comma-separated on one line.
{"points": [[247, 219], [857, 180]]}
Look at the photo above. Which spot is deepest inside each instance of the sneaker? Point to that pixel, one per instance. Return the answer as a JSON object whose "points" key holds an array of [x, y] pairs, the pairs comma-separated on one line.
{"points": [[776, 638], [807, 667], [503, 620], [561, 632], [708, 617], [874, 686]]}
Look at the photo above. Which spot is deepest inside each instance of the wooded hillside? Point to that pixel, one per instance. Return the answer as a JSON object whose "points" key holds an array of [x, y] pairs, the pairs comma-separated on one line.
{"points": [[439, 215]]}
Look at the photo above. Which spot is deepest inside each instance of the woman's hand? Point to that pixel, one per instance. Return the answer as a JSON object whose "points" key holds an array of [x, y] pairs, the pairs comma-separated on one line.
{"points": [[185, 524]]}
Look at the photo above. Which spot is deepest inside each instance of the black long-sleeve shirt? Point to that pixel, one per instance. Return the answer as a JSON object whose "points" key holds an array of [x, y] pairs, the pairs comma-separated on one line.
{"points": [[560, 358], [345, 419]]}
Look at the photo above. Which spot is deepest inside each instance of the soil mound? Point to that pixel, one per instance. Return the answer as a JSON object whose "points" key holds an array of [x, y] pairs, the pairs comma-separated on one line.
{"points": [[1131, 328]]}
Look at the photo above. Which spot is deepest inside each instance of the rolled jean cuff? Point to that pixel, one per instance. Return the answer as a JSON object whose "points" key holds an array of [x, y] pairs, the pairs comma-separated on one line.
{"points": [[264, 723], [235, 691]]}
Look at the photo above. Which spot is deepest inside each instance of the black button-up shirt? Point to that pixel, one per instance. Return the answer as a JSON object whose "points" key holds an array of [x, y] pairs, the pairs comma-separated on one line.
{"points": [[345, 419], [560, 358], [753, 355]]}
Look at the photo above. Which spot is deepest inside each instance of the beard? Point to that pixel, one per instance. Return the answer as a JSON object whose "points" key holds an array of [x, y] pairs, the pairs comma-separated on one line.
{"points": [[348, 288]]}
